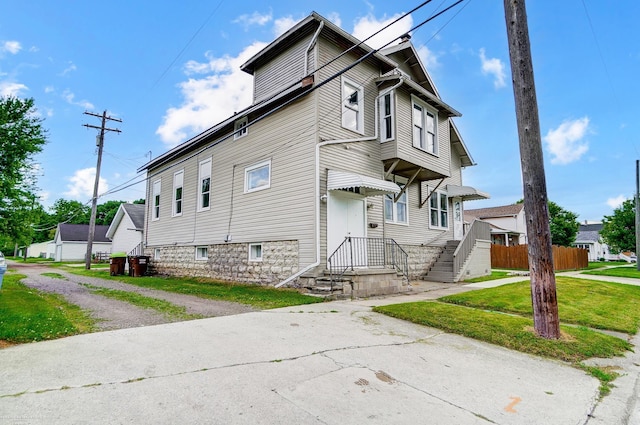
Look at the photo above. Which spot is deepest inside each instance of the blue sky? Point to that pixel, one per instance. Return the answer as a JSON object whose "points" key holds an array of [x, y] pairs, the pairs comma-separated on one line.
{"points": [[169, 71]]}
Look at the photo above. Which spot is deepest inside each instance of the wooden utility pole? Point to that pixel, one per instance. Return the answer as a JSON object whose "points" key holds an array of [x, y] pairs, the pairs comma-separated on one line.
{"points": [[637, 213], [94, 200], [543, 281]]}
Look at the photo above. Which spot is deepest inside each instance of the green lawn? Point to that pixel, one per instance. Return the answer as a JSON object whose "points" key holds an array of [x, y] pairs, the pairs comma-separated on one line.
{"points": [[257, 296], [493, 276], [27, 315], [595, 304], [629, 271], [601, 264]]}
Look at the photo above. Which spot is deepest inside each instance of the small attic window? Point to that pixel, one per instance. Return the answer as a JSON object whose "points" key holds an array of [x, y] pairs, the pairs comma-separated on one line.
{"points": [[241, 129]]}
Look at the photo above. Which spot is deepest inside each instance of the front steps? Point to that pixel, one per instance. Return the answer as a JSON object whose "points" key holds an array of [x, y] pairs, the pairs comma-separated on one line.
{"points": [[442, 268], [358, 283]]}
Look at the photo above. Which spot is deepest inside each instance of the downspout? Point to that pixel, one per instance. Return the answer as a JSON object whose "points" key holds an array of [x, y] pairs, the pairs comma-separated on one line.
{"points": [[311, 43], [317, 188]]}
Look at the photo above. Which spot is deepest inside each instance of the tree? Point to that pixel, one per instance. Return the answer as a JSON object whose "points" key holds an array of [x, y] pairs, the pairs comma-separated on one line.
{"points": [[107, 211], [619, 229], [21, 137], [564, 225]]}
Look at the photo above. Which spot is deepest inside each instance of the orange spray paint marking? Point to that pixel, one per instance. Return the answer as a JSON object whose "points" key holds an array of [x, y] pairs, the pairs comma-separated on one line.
{"points": [[510, 407]]}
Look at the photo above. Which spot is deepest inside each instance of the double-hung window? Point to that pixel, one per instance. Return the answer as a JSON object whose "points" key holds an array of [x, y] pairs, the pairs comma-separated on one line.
{"points": [[396, 212], [424, 127], [204, 185], [240, 128], [387, 117], [157, 188], [352, 106], [178, 182], [257, 177], [439, 210]]}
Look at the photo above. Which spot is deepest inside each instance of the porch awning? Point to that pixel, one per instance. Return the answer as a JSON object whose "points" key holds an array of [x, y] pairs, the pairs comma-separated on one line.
{"points": [[467, 193], [369, 186]]}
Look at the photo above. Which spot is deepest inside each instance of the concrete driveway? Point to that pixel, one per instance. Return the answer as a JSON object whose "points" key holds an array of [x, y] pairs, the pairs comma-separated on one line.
{"points": [[331, 363]]}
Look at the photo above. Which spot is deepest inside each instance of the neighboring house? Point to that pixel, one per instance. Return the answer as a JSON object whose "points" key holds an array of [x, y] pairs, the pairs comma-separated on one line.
{"points": [[71, 241], [508, 223], [588, 238], [127, 228], [341, 160], [42, 249]]}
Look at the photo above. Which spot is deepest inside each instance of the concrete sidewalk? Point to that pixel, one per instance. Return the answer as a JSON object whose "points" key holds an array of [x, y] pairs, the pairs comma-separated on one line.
{"points": [[330, 363]]}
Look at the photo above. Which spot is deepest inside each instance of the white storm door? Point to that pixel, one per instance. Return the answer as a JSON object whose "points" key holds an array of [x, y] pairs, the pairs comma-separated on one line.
{"points": [[345, 217], [458, 224]]}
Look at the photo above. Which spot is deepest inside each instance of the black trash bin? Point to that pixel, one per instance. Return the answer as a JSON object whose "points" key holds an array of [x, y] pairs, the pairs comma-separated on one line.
{"points": [[116, 265]]}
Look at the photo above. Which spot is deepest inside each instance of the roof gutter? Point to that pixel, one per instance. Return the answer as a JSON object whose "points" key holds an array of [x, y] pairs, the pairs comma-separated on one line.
{"points": [[311, 44]]}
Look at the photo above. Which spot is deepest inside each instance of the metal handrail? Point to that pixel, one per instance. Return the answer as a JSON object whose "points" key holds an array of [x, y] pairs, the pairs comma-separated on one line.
{"points": [[138, 250], [367, 252]]}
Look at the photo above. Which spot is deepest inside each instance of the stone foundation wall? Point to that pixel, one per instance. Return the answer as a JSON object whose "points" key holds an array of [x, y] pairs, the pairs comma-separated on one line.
{"points": [[229, 262], [421, 257]]}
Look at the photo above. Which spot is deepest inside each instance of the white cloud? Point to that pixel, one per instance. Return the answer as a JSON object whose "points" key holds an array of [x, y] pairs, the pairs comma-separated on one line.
{"points": [[210, 99], [282, 25], [49, 89], [254, 19], [72, 67], [616, 202], [494, 67], [82, 182], [367, 25], [8, 88], [335, 18], [70, 98], [12, 47], [428, 58], [565, 142]]}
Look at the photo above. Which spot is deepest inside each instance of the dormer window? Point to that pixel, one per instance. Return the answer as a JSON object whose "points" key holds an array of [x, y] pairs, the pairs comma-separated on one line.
{"points": [[241, 129], [352, 106]]}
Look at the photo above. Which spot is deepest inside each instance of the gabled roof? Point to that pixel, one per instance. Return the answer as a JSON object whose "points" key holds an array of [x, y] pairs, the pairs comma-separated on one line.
{"points": [[406, 52], [589, 233], [80, 233], [135, 213], [494, 212]]}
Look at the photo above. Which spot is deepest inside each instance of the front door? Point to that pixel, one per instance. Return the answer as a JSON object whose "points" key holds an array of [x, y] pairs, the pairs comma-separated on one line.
{"points": [[346, 216], [458, 223]]}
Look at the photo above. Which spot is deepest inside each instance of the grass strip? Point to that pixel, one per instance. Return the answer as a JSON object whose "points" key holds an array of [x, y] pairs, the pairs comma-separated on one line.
{"points": [[27, 315], [628, 271], [170, 310], [493, 276], [54, 275], [594, 304], [514, 332], [261, 297]]}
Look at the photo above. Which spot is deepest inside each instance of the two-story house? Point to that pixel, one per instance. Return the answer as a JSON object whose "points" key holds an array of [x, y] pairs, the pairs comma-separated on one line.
{"points": [[347, 163]]}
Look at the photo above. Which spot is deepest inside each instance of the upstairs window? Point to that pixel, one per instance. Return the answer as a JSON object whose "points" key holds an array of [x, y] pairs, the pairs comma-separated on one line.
{"points": [[178, 179], [204, 185], [439, 210], [240, 128], [424, 127], [352, 106], [157, 188], [257, 177], [387, 117]]}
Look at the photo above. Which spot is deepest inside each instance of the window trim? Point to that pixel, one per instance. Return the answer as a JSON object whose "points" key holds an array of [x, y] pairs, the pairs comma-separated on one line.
{"points": [[156, 254], [240, 128], [200, 250], [426, 110], [251, 257], [394, 211], [391, 116], [438, 194], [156, 198], [174, 201], [254, 167], [343, 100], [201, 177]]}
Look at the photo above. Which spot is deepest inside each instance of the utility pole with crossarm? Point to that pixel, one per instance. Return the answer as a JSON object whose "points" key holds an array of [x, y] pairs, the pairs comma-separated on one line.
{"points": [[94, 200]]}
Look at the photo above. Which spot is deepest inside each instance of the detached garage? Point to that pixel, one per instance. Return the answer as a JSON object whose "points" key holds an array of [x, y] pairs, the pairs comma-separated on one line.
{"points": [[71, 241]]}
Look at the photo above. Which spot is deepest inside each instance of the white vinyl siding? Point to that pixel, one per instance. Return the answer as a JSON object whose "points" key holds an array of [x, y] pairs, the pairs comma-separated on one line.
{"points": [[178, 184], [352, 106], [424, 127], [257, 177], [387, 117], [439, 210], [157, 188], [241, 129], [204, 185]]}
